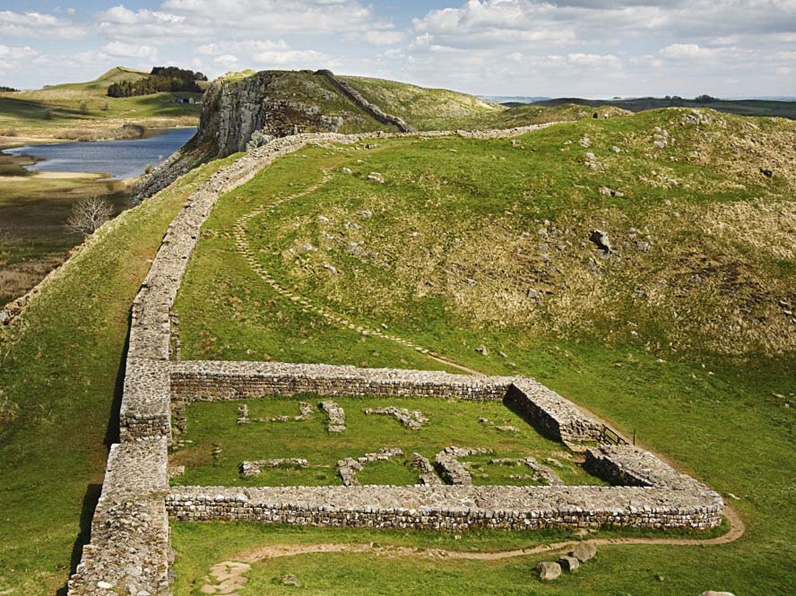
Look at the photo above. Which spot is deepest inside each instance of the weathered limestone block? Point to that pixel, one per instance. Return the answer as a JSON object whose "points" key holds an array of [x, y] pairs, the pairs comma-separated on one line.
{"points": [[336, 416], [548, 570], [568, 563], [424, 468], [585, 551], [410, 419]]}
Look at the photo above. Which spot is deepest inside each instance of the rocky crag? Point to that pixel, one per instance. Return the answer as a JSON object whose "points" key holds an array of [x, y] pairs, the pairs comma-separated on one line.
{"points": [[244, 112]]}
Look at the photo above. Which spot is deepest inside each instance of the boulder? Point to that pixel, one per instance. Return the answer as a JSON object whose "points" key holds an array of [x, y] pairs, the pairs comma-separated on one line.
{"points": [[291, 580], [584, 551], [600, 238], [376, 177], [569, 563], [548, 570]]}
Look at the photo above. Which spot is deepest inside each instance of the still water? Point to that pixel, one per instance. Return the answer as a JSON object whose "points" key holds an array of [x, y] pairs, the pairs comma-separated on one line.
{"points": [[120, 159]]}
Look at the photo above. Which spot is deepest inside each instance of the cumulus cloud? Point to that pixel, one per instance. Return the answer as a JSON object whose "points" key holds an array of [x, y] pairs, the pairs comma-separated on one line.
{"points": [[124, 50], [298, 16], [379, 38], [122, 23], [263, 53], [37, 25], [687, 51]]}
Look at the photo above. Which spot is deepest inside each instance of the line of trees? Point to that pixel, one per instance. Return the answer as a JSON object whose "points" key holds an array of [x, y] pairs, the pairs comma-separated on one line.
{"points": [[3, 88], [162, 78]]}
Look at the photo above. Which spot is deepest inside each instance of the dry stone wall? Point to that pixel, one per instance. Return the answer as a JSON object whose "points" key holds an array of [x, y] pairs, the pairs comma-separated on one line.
{"points": [[557, 417], [213, 381], [363, 103], [450, 508]]}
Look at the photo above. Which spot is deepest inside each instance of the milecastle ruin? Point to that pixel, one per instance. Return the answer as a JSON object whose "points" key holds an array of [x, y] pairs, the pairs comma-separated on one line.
{"points": [[130, 551]]}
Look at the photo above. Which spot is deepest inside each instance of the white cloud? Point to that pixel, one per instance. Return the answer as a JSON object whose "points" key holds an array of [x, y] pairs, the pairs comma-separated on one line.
{"points": [[263, 53], [37, 25], [594, 60], [297, 16], [227, 61], [379, 38], [124, 50], [687, 51], [122, 23]]}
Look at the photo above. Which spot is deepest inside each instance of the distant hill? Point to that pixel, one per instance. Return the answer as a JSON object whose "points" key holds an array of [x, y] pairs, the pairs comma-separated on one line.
{"points": [[742, 107], [97, 87], [514, 98]]}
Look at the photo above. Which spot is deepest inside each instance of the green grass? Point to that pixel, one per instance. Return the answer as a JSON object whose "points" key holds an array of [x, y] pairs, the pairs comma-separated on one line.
{"points": [[213, 425], [709, 397], [741, 107], [61, 364], [203, 545]]}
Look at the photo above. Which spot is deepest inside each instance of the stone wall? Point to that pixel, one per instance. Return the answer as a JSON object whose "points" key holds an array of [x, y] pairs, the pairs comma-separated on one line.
{"points": [[213, 381], [657, 497], [449, 508], [557, 417], [129, 549], [363, 103]]}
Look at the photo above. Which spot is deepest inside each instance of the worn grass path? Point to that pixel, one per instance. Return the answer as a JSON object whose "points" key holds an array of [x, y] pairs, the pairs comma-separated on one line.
{"points": [[229, 576]]}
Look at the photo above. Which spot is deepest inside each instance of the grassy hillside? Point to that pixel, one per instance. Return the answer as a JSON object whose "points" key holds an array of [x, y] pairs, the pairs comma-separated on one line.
{"points": [[86, 90], [59, 392], [681, 332], [56, 111], [740, 107]]}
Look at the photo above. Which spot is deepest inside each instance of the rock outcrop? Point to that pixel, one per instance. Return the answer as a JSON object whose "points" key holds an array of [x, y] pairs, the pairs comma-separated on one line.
{"points": [[242, 113]]}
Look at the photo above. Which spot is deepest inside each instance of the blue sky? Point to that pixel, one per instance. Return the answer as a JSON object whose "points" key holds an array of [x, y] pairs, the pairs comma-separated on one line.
{"points": [[597, 48]]}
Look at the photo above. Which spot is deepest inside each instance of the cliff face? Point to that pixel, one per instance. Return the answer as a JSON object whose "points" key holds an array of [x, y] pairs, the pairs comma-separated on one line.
{"points": [[239, 113]]}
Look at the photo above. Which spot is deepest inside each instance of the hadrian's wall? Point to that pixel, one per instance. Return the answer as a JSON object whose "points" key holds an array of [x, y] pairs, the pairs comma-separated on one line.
{"points": [[363, 103], [555, 416], [129, 547], [661, 498], [214, 380]]}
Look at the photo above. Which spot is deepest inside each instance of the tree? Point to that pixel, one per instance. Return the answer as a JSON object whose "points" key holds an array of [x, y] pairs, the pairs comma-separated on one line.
{"points": [[88, 215], [83, 107]]}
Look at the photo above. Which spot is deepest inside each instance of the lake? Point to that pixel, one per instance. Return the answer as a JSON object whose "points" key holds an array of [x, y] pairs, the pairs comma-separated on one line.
{"points": [[121, 159]]}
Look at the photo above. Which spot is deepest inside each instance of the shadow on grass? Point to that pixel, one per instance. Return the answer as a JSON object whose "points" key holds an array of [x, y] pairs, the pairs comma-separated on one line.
{"points": [[93, 492]]}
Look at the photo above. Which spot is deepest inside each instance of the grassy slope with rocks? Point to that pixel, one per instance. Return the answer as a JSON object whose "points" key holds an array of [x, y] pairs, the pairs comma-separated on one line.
{"points": [[60, 367], [686, 341]]}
